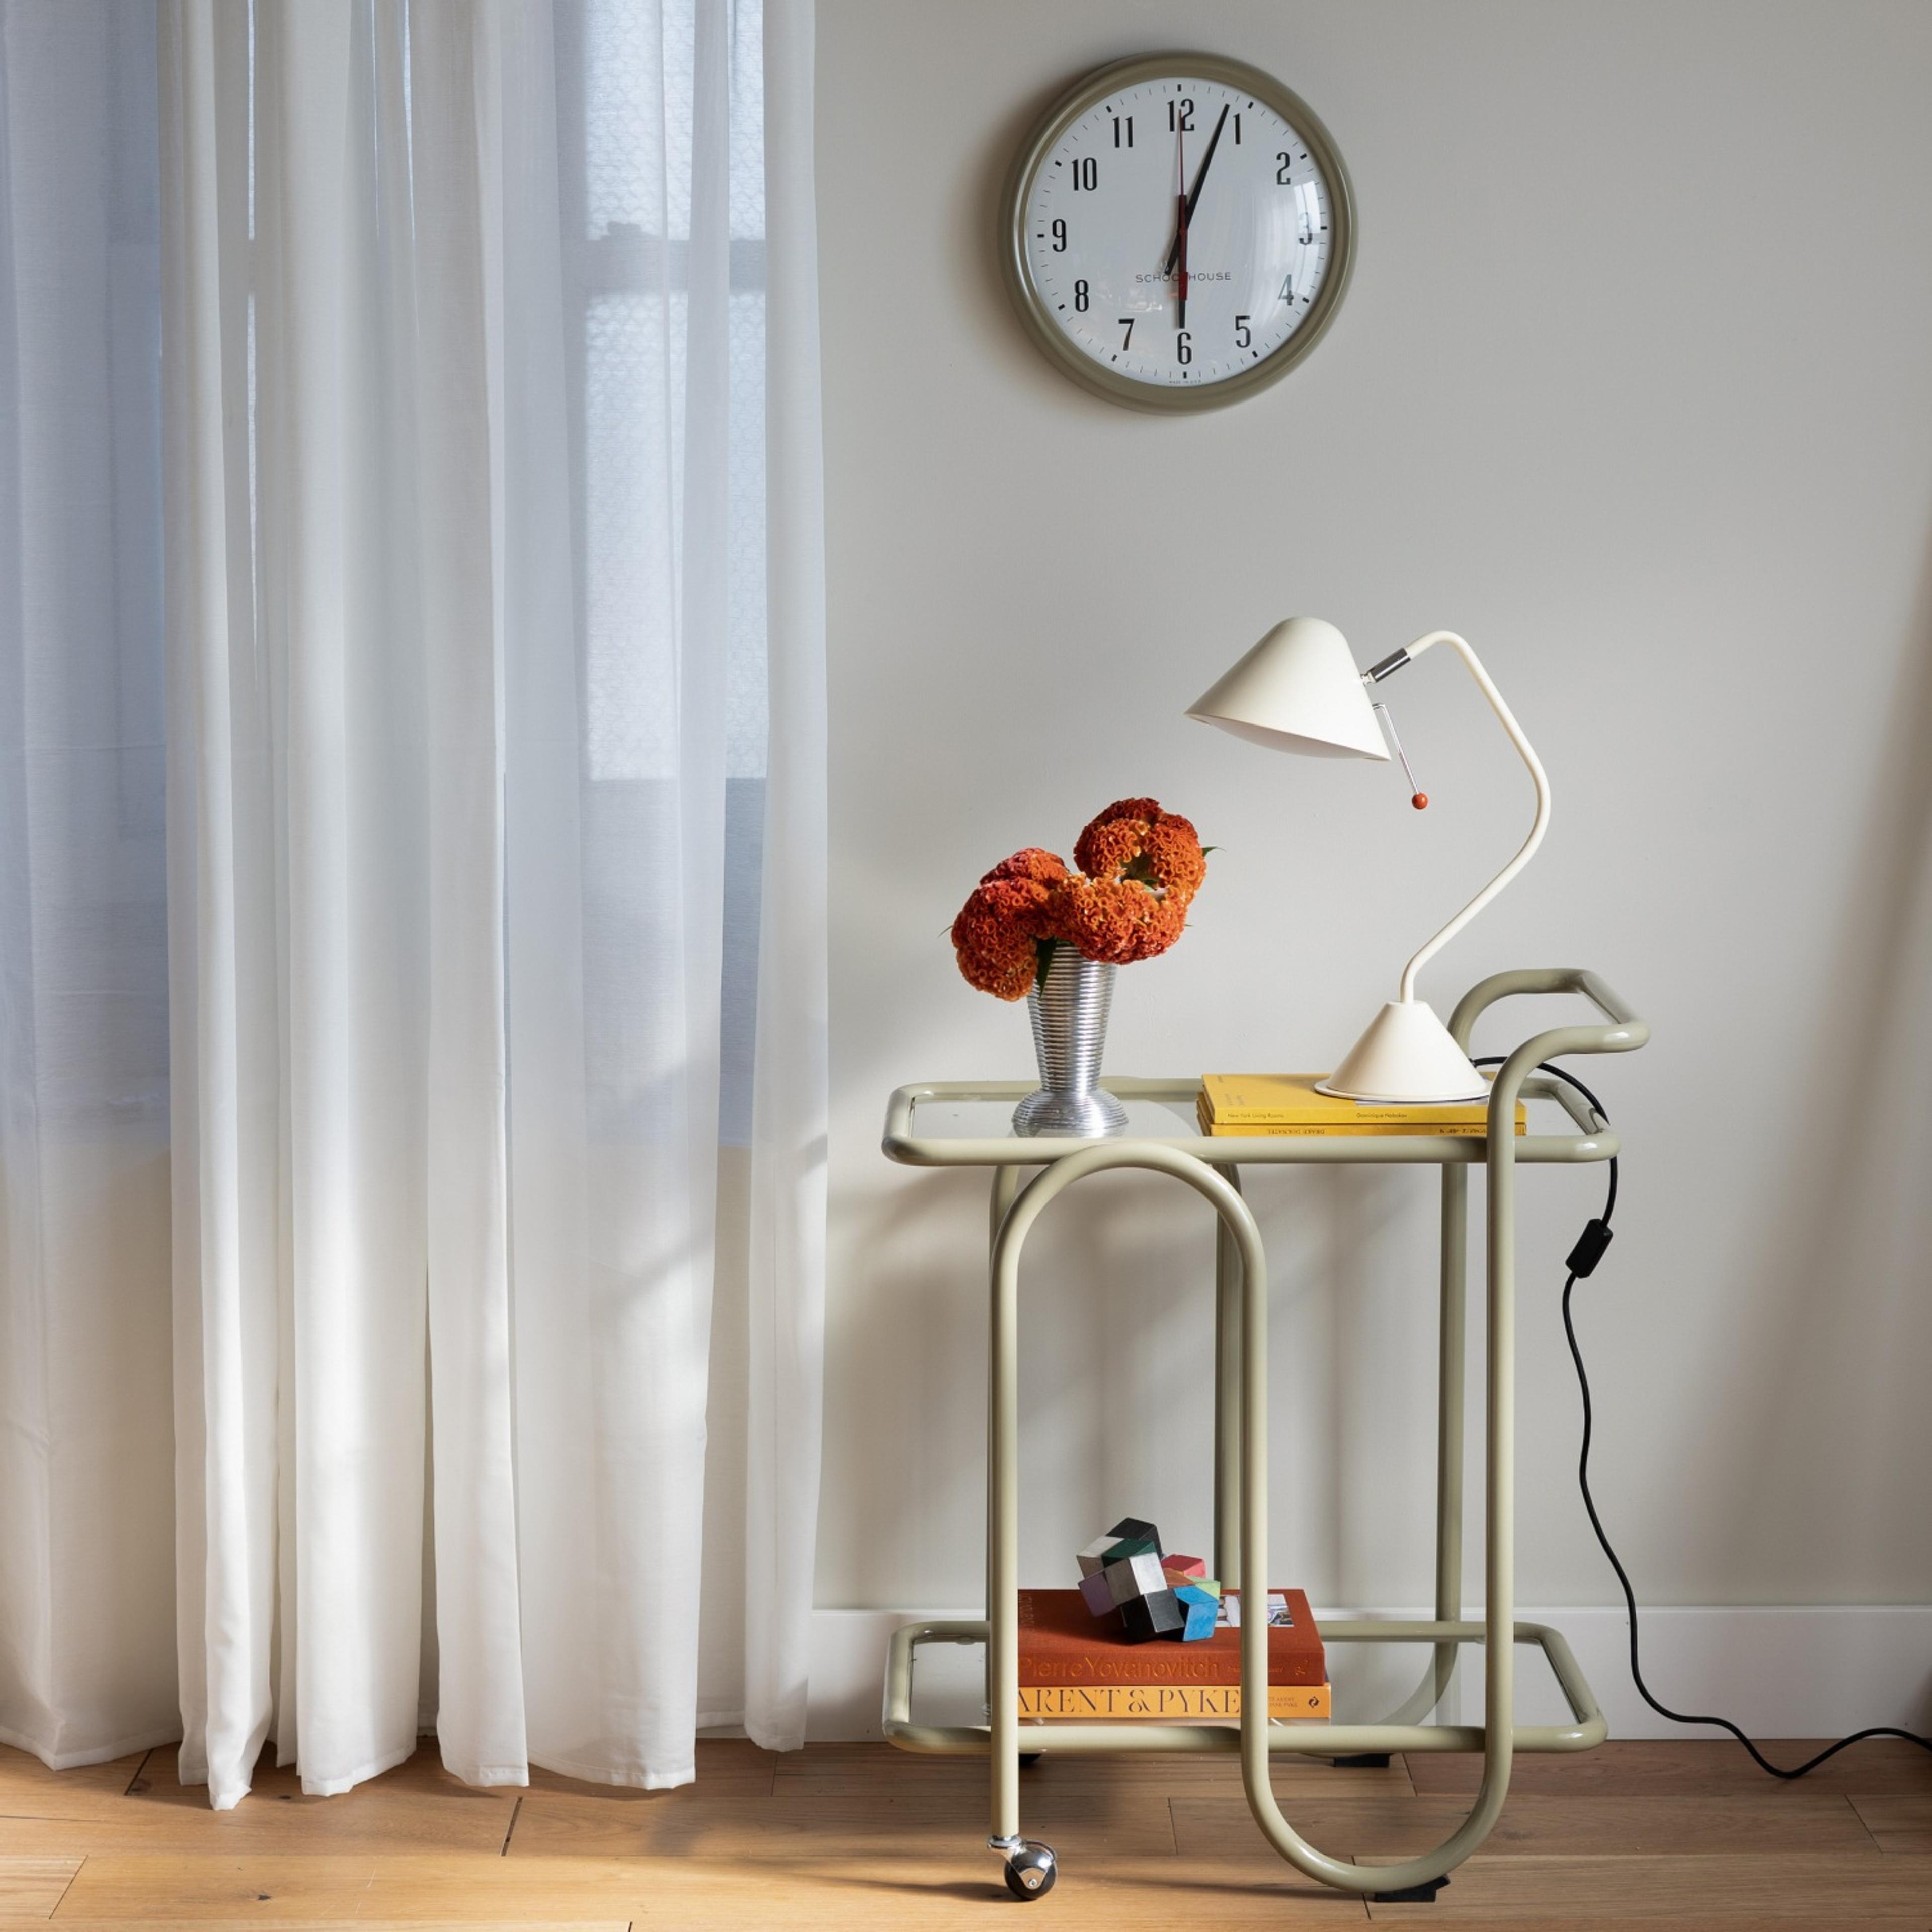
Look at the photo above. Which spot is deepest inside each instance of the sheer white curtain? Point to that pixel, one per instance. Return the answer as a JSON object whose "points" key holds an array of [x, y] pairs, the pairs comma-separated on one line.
{"points": [[495, 744], [86, 1638]]}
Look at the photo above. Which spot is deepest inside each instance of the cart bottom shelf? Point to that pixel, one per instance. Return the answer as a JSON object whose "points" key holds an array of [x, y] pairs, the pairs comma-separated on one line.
{"points": [[1440, 1680]]}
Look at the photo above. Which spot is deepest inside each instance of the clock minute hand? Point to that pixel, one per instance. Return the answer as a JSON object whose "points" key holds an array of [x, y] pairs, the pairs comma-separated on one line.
{"points": [[1181, 226], [1200, 175]]}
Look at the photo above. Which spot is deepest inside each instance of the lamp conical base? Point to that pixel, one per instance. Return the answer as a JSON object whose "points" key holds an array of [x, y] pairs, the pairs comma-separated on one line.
{"points": [[1407, 1055]]}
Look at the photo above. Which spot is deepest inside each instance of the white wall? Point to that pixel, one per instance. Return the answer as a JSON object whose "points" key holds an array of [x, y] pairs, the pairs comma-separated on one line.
{"points": [[1634, 387]]}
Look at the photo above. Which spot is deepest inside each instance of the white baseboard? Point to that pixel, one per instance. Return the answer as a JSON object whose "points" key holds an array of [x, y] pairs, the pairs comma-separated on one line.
{"points": [[1812, 1672]]}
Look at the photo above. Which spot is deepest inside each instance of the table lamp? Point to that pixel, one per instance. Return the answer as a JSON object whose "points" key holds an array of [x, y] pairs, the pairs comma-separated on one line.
{"points": [[1299, 690]]}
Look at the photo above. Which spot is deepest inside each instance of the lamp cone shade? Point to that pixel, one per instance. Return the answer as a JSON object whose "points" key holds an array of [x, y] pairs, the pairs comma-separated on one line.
{"points": [[1406, 1054], [1298, 690]]}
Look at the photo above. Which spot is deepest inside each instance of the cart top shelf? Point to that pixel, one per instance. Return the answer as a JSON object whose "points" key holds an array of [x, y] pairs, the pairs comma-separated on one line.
{"points": [[969, 1124]]}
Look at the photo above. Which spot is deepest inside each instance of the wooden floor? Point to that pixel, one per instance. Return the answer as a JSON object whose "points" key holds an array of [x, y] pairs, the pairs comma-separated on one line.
{"points": [[1685, 1835]]}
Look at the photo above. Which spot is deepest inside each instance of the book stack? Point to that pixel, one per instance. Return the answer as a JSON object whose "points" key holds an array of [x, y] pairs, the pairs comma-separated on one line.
{"points": [[1072, 1665], [1288, 1103]]}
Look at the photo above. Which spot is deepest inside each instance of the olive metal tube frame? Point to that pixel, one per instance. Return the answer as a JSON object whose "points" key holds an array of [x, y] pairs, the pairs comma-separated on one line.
{"points": [[1210, 1167]]}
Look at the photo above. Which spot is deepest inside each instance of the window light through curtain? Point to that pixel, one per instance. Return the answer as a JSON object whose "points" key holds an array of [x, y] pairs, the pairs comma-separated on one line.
{"points": [[625, 106]]}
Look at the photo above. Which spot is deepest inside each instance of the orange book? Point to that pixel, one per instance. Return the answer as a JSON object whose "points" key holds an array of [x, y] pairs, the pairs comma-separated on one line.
{"points": [[1062, 1642]]}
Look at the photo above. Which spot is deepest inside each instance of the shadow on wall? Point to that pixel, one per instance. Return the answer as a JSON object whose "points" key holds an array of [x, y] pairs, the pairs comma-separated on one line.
{"points": [[1099, 1318], [1836, 1388], [1117, 1360]]}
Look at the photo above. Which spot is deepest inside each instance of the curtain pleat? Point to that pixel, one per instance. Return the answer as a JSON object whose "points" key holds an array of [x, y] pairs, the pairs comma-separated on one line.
{"points": [[226, 1231], [791, 1079], [456, 70]]}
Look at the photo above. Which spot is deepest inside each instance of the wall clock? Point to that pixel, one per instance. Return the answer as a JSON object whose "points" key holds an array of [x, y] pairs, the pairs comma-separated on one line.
{"points": [[1179, 231]]}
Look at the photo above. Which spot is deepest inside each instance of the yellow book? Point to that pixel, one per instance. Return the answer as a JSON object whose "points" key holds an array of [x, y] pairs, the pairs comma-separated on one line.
{"points": [[1170, 1703], [1248, 1101], [1467, 1130]]}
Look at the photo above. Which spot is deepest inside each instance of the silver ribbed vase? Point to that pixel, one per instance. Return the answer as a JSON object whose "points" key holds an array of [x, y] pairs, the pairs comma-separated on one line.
{"points": [[1068, 1007]]}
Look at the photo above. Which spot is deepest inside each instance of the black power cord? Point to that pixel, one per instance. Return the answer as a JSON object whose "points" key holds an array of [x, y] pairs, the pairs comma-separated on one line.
{"points": [[1582, 1263]]}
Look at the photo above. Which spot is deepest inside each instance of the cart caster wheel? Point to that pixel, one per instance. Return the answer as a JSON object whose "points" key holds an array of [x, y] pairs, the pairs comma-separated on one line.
{"points": [[1030, 1871], [1029, 1759]]}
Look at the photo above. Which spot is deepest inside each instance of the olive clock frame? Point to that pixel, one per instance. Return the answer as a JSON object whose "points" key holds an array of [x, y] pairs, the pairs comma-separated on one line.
{"points": [[1095, 86]]}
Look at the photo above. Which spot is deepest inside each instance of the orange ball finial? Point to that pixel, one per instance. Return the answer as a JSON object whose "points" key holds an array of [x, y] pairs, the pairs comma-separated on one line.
{"points": [[1421, 801]]}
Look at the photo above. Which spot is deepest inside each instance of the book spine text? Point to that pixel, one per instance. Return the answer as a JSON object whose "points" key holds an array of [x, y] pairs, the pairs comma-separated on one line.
{"points": [[1156, 1703]]}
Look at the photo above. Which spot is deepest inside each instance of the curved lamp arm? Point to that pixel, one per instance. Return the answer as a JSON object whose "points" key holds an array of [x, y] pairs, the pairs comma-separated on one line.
{"points": [[1538, 825]]}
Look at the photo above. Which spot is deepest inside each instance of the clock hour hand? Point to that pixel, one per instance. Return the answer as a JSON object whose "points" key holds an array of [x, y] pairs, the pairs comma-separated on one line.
{"points": [[1174, 254], [1180, 320]]}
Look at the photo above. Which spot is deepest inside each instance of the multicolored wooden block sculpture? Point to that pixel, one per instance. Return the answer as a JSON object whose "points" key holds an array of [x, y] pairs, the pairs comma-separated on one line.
{"points": [[1157, 1614], [1091, 1559], [1198, 1613], [1139, 1575], [1125, 1574], [1129, 1537]]}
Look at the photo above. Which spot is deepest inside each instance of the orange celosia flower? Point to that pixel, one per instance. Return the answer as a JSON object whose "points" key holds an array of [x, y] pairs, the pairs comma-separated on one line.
{"points": [[1145, 809], [1047, 868], [1118, 920], [1134, 839], [1106, 851], [1163, 925], [997, 932], [1100, 918], [1140, 867], [1172, 850], [1006, 975]]}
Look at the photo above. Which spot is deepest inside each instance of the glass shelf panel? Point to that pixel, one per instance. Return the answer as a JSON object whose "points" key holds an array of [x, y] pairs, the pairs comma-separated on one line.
{"points": [[993, 1120]]}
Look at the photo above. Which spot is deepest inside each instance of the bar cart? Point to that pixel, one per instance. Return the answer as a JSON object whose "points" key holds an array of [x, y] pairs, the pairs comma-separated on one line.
{"points": [[963, 1125]]}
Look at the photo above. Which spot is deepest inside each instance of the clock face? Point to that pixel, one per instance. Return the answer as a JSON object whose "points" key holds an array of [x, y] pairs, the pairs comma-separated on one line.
{"points": [[1181, 231]]}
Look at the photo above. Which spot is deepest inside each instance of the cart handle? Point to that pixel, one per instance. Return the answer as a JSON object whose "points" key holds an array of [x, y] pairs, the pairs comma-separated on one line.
{"points": [[1626, 1031]]}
